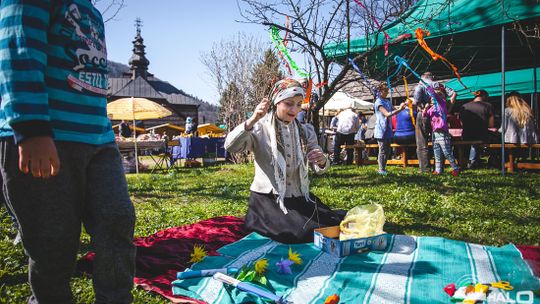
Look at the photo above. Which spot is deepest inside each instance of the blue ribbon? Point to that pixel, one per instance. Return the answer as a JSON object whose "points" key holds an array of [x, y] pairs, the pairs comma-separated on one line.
{"points": [[373, 90], [401, 62]]}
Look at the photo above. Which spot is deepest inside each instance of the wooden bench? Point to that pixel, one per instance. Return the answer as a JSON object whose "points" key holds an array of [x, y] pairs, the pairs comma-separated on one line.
{"points": [[463, 154], [509, 149], [461, 145]]}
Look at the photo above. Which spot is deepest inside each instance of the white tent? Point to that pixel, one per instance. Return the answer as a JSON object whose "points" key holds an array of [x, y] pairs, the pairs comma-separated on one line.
{"points": [[341, 100]]}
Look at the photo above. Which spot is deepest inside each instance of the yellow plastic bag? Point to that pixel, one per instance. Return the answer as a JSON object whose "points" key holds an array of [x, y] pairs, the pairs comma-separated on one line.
{"points": [[362, 221]]}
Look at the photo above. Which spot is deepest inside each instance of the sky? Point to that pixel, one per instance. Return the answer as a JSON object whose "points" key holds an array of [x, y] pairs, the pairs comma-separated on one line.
{"points": [[175, 33]]}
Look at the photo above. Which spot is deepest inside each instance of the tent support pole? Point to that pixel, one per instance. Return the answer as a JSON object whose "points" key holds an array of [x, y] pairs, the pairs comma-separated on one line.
{"points": [[135, 135], [503, 93], [534, 105], [534, 100]]}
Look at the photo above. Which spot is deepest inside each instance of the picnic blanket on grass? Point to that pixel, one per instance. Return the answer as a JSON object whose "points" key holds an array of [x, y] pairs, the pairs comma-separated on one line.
{"points": [[411, 270], [161, 255]]}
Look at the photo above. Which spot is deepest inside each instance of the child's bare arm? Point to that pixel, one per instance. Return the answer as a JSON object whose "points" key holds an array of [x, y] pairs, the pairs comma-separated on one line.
{"points": [[394, 112]]}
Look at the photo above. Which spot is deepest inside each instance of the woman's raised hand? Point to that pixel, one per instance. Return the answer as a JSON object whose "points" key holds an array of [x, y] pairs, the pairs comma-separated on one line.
{"points": [[260, 110]]}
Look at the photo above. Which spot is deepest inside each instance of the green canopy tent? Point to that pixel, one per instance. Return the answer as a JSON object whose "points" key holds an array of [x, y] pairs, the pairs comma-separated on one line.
{"points": [[522, 81], [470, 33], [467, 32]]}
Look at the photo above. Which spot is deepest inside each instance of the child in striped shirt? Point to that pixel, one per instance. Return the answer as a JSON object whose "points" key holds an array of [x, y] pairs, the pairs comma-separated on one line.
{"points": [[60, 165]]}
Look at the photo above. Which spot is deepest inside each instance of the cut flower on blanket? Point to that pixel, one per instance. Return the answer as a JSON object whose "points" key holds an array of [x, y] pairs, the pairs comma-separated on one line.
{"points": [[261, 266], [284, 266], [199, 253], [295, 257]]}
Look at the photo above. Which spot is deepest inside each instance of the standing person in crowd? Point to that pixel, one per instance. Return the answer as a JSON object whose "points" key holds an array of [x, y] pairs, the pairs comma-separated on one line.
{"points": [[334, 121], [280, 204], [347, 126], [189, 125], [441, 137], [60, 170], [404, 131], [195, 127], [383, 126], [361, 134], [302, 115], [333, 128], [477, 117], [423, 126], [519, 121], [125, 130]]}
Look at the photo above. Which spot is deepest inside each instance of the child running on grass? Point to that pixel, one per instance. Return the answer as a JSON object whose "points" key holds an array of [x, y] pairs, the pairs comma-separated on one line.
{"points": [[441, 137]]}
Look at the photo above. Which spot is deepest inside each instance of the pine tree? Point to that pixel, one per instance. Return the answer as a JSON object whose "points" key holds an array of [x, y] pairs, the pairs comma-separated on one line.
{"points": [[263, 77]]}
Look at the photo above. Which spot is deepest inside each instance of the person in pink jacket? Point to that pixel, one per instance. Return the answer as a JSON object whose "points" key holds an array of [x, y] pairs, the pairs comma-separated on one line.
{"points": [[440, 136]]}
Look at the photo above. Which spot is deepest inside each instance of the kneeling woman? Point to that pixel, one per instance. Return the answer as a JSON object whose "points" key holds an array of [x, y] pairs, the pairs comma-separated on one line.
{"points": [[280, 204]]}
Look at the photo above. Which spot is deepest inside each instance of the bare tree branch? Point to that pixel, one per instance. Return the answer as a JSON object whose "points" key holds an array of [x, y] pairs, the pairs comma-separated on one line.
{"points": [[317, 23], [109, 8]]}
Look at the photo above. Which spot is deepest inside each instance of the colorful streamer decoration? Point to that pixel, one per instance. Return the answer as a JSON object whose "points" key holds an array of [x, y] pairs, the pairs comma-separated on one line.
{"points": [[281, 44], [374, 91], [274, 34], [409, 101], [430, 90], [422, 42], [386, 36], [322, 84], [308, 91], [287, 26], [285, 42]]}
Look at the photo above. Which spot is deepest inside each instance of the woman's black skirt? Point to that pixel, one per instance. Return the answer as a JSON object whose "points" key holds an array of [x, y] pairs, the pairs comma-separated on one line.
{"points": [[266, 218]]}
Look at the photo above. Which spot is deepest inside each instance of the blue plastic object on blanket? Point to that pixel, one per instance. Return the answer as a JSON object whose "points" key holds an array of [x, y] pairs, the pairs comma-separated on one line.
{"points": [[256, 290], [189, 274]]}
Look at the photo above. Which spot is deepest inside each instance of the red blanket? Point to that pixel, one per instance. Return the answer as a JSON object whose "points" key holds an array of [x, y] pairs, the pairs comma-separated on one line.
{"points": [[161, 255], [531, 254]]}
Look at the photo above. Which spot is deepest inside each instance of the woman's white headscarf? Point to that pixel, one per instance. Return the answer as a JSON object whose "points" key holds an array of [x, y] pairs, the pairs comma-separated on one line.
{"points": [[282, 90]]}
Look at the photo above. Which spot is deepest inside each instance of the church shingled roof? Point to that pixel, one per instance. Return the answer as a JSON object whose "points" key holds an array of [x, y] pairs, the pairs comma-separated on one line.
{"points": [[138, 88], [151, 89]]}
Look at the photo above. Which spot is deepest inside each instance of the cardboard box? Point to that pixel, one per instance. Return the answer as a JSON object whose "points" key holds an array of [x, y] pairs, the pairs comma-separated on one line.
{"points": [[327, 239]]}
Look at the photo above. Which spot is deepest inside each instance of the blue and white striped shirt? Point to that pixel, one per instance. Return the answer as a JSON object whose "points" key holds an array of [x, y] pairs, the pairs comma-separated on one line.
{"points": [[53, 71]]}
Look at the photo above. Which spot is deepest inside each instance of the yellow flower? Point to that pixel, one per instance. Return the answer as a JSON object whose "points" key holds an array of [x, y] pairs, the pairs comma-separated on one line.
{"points": [[261, 266], [198, 254], [295, 257]]}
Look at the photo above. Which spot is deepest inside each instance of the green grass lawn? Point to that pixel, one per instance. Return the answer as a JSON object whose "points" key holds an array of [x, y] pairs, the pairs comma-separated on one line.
{"points": [[479, 206]]}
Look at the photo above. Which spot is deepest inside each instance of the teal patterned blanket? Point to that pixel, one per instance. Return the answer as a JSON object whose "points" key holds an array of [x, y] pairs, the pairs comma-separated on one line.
{"points": [[412, 270]]}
